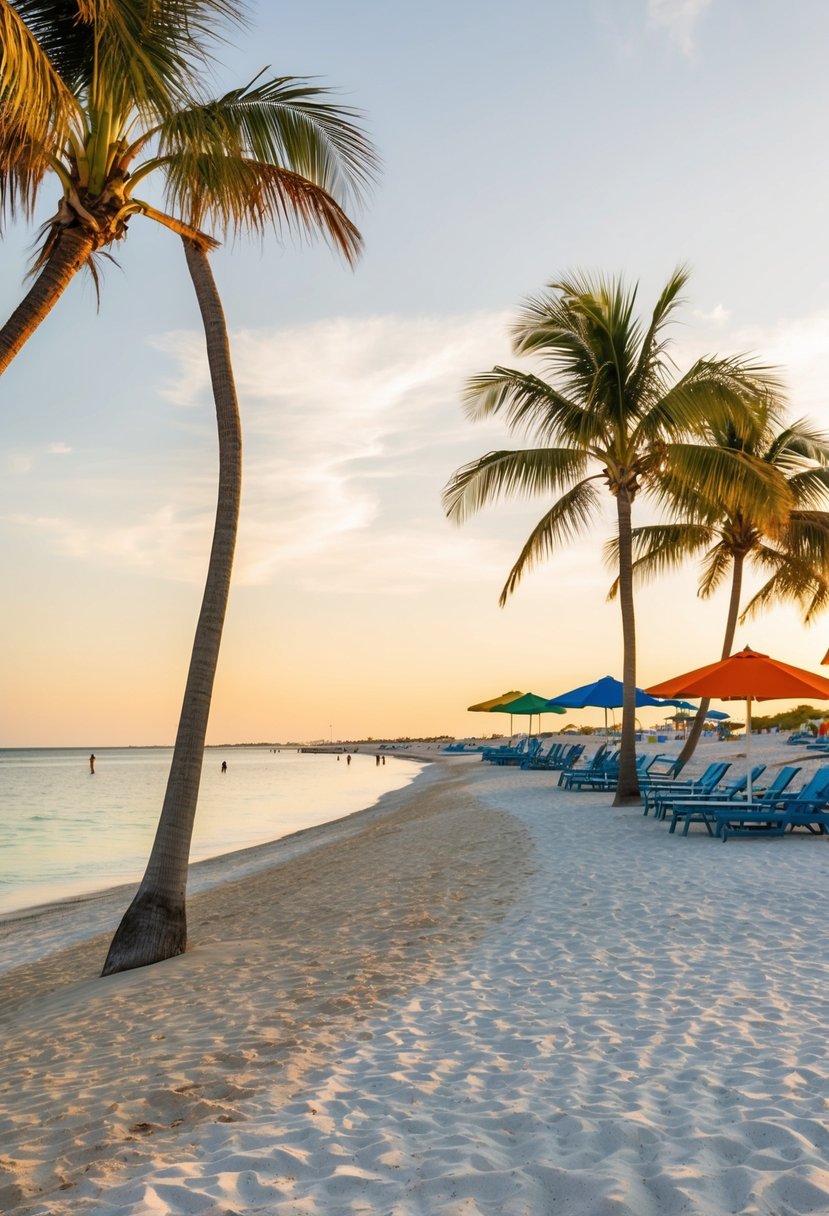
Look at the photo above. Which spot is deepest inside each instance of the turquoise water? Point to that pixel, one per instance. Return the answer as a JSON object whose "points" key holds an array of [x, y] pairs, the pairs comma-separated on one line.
{"points": [[64, 832]]}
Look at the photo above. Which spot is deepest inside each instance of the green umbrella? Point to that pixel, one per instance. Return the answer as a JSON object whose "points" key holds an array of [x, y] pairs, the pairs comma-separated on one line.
{"points": [[529, 704]]}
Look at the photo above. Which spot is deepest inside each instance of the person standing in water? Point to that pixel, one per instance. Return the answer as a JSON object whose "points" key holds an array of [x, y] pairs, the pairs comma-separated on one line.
{"points": [[92, 764], [224, 766]]}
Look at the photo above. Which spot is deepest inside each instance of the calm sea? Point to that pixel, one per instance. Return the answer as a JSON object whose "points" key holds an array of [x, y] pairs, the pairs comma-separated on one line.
{"points": [[64, 832]]}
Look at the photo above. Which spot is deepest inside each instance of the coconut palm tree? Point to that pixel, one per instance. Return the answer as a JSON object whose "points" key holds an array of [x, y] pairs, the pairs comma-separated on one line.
{"points": [[789, 547], [610, 413], [100, 96]]}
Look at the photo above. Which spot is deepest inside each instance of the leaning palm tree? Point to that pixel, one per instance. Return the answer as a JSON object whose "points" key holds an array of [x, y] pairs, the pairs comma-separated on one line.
{"points": [[611, 413], [789, 547], [112, 96]]}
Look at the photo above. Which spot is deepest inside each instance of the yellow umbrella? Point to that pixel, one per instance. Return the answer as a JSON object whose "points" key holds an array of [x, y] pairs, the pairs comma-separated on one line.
{"points": [[485, 706]]}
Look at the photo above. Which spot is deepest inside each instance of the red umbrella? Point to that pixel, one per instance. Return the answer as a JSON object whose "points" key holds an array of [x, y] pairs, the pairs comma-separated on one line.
{"points": [[747, 676]]}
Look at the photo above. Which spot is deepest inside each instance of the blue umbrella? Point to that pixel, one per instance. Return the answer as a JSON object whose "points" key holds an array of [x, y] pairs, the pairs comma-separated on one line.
{"points": [[716, 715], [601, 694]]}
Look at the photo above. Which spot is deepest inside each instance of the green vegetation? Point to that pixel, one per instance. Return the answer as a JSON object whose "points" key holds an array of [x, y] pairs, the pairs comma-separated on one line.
{"points": [[789, 719]]}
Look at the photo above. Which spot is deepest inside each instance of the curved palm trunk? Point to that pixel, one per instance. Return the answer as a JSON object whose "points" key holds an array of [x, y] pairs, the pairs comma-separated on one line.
{"points": [[627, 789], [728, 643], [70, 254], [154, 927]]}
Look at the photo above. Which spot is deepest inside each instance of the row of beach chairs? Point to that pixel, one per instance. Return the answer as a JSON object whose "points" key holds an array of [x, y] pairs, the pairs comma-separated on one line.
{"points": [[716, 802], [722, 809]]}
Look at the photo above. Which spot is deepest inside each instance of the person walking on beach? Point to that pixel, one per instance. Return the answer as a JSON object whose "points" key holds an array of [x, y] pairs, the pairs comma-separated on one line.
{"points": [[92, 764], [224, 766], [348, 758], [377, 759]]}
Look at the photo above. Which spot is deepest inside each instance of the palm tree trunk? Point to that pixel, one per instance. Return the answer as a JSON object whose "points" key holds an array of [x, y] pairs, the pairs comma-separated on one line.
{"points": [[154, 926], [728, 643], [71, 252], [627, 789]]}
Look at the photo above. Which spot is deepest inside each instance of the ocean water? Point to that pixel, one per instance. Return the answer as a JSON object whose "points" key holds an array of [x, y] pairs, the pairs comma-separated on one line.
{"points": [[64, 832]]}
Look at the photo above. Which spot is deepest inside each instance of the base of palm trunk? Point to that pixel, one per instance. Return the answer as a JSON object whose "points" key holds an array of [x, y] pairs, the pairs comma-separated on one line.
{"points": [[151, 930], [628, 797]]}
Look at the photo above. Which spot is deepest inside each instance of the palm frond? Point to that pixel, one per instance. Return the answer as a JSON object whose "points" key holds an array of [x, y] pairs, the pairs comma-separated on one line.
{"points": [[235, 195], [284, 122], [797, 443], [793, 581], [565, 521], [153, 52], [649, 370], [714, 392], [715, 566], [520, 474], [529, 403], [658, 549], [706, 483], [35, 110]]}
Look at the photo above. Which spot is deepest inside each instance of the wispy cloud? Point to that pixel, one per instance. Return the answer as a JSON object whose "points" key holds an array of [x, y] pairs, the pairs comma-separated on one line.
{"points": [[59, 449], [719, 314], [352, 427], [679, 19]]}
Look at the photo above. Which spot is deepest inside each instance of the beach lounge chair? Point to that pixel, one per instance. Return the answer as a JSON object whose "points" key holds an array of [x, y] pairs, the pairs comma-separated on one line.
{"points": [[806, 808], [607, 779], [712, 776], [506, 758], [690, 808], [569, 758], [723, 792], [562, 761], [504, 749], [599, 763], [542, 759]]}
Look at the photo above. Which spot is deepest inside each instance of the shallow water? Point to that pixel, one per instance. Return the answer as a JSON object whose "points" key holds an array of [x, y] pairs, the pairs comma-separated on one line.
{"points": [[64, 831]]}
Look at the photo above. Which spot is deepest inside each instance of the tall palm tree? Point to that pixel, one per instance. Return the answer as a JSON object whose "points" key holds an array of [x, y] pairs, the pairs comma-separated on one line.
{"points": [[113, 95], [609, 414], [789, 546]]}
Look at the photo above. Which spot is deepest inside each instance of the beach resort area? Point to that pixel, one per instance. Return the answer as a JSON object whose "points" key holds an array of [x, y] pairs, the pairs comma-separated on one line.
{"points": [[359, 361], [487, 994]]}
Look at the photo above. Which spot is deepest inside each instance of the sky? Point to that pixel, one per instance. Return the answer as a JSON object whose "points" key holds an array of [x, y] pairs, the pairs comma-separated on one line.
{"points": [[518, 142]]}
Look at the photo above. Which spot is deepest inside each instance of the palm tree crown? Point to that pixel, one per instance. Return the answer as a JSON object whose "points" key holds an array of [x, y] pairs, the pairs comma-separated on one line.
{"points": [[104, 93], [611, 412]]}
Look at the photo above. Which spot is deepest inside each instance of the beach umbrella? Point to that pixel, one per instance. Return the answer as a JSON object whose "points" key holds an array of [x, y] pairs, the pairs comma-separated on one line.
{"points": [[605, 694], [529, 703], [745, 676], [483, 707]]}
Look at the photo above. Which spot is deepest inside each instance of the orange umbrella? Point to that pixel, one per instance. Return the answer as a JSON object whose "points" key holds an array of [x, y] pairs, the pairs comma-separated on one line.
{"points": [[745, 675]]}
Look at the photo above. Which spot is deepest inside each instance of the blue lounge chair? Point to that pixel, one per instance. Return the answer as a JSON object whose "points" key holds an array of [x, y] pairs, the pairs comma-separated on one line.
{"points": [[532, 749], [712, 776], [724, 792], [807, 808], [608, 779], [598, 764], [558, 759], [690, 808]]}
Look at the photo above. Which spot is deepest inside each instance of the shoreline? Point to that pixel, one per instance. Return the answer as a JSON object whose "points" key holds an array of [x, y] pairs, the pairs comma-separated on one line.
{"points": [[64, 921]]}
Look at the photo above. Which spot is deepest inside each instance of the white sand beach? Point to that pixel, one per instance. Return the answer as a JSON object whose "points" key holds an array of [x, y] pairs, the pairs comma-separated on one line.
{"points": [[483, 996]]}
